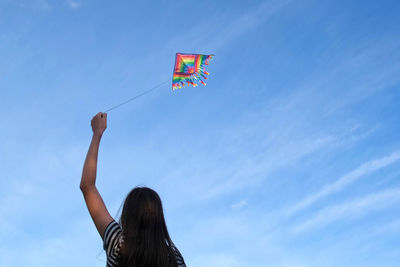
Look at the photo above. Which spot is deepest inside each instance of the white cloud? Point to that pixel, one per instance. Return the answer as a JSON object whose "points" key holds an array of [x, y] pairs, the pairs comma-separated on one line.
{"points": [[250, 169], [245, 22], [78, 238], [351, 209], [240, 204], [217, 259], [392, 227], [344, 181], [223, 30], [73, 4]]}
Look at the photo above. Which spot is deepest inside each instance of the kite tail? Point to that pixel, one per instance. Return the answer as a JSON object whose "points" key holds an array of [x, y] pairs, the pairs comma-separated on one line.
{"points": [[202, 71]]}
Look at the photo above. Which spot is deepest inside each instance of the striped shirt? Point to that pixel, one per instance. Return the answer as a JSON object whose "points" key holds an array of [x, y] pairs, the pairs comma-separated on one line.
{"points": [[113, 240]]}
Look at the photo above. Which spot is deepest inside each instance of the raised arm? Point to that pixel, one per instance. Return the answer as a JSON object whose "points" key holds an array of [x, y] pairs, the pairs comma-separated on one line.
{"points": [[94, 202]]}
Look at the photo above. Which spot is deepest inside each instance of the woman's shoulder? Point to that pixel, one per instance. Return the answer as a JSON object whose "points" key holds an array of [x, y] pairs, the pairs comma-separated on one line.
{"points": [[112, 238]]}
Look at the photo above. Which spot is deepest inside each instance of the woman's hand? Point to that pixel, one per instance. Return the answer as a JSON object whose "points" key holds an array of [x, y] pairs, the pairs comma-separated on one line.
{"points": [[99, 123]]}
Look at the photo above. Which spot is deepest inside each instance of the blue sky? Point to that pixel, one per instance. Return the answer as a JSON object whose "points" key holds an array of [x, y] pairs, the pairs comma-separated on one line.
{"points": [[289, 157]]}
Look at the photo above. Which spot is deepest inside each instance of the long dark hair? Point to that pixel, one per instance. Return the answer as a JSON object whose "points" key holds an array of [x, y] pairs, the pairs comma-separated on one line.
{"points": [[146, 238]]}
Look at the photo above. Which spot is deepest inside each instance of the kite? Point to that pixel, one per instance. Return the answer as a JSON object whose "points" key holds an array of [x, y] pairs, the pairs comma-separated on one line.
{"points": [[190, 68]]}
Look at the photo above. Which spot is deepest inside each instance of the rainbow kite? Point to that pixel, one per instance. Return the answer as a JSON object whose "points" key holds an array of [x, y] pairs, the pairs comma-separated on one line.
{"points": [[189, 68]]}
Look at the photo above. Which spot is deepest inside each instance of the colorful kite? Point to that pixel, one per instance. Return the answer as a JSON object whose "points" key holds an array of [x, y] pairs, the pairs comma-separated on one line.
{"points": [[189, 68]]}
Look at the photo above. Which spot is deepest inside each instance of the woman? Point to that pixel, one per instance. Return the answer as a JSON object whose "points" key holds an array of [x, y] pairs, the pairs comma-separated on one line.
{"points": [[141, 238]]}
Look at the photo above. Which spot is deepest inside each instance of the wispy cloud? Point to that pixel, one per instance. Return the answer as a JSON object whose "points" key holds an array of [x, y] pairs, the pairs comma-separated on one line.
{"points": [[30, 4], [217, 259], [73, 4], [250, 169], [344, 181], [239, 204], [246, 22], [351, 209], [217, 33], [50, 250], [392, 227]]}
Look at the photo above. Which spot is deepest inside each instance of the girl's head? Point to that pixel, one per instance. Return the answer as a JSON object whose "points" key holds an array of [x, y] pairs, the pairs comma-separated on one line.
{"points": [[146, 238], [142, 209]]}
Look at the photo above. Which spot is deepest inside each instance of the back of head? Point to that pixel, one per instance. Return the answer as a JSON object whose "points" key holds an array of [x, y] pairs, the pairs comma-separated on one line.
{"points": [[146, 239]]}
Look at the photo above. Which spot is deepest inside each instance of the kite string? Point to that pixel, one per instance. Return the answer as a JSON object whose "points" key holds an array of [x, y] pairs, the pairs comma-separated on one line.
{"points": [[137, 96]]}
